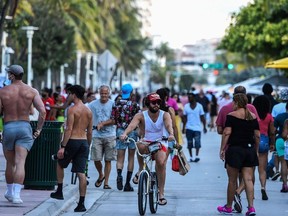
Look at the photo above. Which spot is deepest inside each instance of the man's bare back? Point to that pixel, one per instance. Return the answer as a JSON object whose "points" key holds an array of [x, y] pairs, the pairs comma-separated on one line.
{"points": [[16, 100]]}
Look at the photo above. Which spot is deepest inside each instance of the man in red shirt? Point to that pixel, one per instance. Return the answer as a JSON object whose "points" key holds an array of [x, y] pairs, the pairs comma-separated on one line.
{"points": [[48, 102]]}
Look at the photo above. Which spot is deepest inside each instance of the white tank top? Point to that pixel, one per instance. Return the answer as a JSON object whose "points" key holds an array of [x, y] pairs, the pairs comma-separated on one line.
{"points": [[154, 130]]}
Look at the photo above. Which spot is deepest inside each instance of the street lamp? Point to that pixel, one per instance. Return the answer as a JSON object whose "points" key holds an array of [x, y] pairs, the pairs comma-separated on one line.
{"points": [[62, 74], [29, 31]]}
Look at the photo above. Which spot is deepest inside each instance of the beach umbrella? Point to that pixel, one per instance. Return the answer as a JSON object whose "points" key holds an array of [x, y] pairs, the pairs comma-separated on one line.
{"points": [[280, 63]]}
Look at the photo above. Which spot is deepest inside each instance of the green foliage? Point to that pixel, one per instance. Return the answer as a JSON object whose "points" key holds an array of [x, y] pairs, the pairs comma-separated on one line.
{"points": [[186, 81], [67, 26], [163, 51], [259, 31]]}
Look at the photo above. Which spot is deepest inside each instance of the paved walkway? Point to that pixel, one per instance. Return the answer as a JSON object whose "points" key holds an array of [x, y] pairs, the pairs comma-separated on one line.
{"points": [[207, 183], [31, 198]]}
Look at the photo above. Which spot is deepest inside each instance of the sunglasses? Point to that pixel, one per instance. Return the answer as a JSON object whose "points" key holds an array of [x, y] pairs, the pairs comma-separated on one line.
{"points": [[155, 102]]}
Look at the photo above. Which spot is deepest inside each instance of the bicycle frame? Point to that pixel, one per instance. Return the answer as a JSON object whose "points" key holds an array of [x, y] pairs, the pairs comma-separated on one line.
{"points": [[148, 183]]}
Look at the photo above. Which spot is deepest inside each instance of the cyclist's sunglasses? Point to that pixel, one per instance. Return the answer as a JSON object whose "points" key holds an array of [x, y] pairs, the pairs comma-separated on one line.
{"points": [[155, 102]]}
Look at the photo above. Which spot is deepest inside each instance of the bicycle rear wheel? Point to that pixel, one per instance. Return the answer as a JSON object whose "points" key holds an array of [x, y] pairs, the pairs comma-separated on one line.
{"points": [[142, 193], [153, 193]]}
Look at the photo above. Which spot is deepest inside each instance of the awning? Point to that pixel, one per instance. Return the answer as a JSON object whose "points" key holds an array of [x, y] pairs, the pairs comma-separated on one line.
{"points": [[281, 63]]}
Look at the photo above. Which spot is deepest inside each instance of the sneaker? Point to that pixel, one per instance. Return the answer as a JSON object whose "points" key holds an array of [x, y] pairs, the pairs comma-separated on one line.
{"points": [[57, 195], [17, 200], [8, 197], [128, 187], [191, 160], [80, 208], [284, 189], [264, 195], [225, 210], [197, 159], [237, 203], [251, 211], [270, 172], [119, 182], [275, 176]]}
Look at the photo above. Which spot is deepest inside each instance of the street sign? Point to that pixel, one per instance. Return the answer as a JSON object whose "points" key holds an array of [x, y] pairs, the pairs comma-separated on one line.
{"points": [[107, 60]]}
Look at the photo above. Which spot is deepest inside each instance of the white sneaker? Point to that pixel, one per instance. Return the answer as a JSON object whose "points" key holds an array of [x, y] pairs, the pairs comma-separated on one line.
{"points": [[8, 197], [17, 200]]}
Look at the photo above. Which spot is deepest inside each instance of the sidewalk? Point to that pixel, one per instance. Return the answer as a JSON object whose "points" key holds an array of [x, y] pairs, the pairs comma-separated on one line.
{"points": [[32, 198]]}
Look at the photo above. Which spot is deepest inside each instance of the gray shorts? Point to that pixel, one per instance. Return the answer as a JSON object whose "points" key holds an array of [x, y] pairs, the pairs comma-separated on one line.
{"points": [[17, 133], [103, 147]]}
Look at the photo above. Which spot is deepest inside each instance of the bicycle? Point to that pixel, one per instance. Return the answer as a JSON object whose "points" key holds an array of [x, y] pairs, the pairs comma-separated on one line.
{"points": [[148, 182]]}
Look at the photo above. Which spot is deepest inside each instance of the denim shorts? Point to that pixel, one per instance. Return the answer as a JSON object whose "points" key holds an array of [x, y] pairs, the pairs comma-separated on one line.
{"points": [[193, 139], [124, 145]]}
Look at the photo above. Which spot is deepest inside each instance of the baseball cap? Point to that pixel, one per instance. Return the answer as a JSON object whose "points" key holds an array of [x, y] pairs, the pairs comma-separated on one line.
{"points": [[153, 97], [126, 91], [15, 69], [284, 94]]}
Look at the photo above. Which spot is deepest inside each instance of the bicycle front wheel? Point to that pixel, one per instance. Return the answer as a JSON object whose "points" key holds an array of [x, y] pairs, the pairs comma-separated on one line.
{"points": [[153, 193], [142, 193]]}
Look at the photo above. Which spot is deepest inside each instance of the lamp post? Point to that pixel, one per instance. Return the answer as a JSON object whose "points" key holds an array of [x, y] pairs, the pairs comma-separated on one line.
{"points": [[94, 76], [62, 74], [29, 32], [78, 67], [88, 71]]}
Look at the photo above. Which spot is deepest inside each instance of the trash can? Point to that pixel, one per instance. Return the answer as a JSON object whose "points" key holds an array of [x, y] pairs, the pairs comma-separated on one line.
{"points": [[40, 169]]}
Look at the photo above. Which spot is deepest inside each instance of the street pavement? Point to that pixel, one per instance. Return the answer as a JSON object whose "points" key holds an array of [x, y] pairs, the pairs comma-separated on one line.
{"points": [[197, 193]]}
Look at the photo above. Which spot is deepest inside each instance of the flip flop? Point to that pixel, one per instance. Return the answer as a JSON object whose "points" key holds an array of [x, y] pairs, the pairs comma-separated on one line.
{"points": [[162, 201], [98, 183], [135, 179], [107, 187]]}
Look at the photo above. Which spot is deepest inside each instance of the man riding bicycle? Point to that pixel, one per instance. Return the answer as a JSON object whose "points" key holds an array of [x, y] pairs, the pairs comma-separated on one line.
{"points": [[154, 124]]}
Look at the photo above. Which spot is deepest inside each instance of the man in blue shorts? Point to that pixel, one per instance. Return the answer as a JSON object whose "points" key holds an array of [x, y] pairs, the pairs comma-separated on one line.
{"points": [[16, 100], [75, 145]]}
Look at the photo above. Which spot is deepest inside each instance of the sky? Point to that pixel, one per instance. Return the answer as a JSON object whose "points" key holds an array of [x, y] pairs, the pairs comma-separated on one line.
{"points": [[181, 22]]}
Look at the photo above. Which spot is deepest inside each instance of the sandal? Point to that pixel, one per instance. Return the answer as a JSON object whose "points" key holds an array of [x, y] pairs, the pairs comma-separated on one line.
{"points": [[135, 179], [107, 187], [162, 201], [98, 183]]}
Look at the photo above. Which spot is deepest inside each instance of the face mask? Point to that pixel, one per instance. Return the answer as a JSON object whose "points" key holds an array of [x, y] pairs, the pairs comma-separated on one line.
{"points": [[7, 82]]}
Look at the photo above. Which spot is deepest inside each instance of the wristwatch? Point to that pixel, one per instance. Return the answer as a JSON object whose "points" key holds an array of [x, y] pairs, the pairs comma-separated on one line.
{"points": [[62, 146]]}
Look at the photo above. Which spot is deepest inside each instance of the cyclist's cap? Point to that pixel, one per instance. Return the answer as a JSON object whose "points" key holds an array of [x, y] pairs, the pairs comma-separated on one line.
{"points": [[126, 91], [15, 69], [153, 97]]}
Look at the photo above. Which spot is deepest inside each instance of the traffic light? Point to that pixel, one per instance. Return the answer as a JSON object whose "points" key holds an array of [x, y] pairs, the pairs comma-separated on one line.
{"points": [[205, 66], [230, 66], [215, 72]]}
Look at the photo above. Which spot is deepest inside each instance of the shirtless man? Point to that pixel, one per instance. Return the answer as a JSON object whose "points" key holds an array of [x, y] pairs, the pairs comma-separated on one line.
{"points": [[16, 100], [75, 145], [153, 124]]}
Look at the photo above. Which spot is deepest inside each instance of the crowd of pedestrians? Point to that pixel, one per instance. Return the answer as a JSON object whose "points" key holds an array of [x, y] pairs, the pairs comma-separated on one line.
{"points": [[250, 129]]}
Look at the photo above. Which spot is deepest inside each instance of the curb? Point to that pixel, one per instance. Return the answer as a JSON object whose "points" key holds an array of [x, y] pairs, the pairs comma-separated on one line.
{"points": [[53, 207]]}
